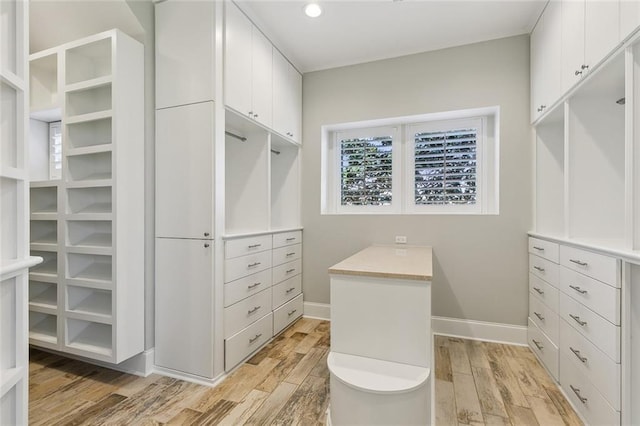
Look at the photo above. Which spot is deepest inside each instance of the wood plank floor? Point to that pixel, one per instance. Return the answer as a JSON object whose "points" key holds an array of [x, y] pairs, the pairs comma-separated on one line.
{"points": [[287, 383]]}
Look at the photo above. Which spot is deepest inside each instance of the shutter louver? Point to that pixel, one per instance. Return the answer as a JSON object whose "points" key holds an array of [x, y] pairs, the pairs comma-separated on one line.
{"points": [[366, 171]]}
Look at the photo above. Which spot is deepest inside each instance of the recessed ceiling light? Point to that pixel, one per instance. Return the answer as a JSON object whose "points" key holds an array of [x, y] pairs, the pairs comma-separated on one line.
{"points": [[313, 10]]}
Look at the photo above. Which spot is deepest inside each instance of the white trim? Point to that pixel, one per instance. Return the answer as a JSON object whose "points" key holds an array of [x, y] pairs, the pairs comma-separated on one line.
{"points": [[480, 330], [192, 378], [317, 311]]}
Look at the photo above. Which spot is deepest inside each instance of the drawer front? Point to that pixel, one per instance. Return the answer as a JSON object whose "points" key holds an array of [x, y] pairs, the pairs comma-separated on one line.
{"points": [[584, 396], [544, 269], [598, 266], [247, 341], [286, 271], [545, 319], [287, 254], [246, 265], [286, 314], [287, 238], [286, 290], [546, 351], [544, 291], [596, 329], [243, 313], [546, 249], [603, 373], [595, 295], [245, 246], [240, 289]]}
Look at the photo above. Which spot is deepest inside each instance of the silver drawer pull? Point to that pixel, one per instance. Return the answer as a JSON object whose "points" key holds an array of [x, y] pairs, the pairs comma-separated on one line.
{"points": [[577, 262], [290, 254], [292, 312], [577, 353], [538, 345], [290, 290], [256, 337], [290, 271], [538, 248], [254, 285], [251, 265], [577, 392], [540, 317], [538, 268], [578, 320], [291, 239], [538, 290], [255, 309], [252, 246], [578, 289]]}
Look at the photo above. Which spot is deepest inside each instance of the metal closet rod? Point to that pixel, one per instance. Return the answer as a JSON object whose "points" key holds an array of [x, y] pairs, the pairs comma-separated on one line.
{"points": [[243, 139]]}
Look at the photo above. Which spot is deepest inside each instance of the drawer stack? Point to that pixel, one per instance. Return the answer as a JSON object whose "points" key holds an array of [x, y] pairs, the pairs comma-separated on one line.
{"points": [[262, 291], [590, 333], [543, 330]]}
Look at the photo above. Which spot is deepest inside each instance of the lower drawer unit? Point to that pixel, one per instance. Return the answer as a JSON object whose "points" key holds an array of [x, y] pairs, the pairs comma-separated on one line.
{"points": [[544, 291], [286, 314], [287, 254], [247, 341], [544, 269], [595, 295], [287, 270], [601, 267], [286, 290], [245, 287], [246, 265], [545, 318], [546, 351], [243, 313], [585, 397]]}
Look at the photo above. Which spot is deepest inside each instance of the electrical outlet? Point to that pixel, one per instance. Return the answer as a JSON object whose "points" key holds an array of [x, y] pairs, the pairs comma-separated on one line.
{"points": [[401, 239]]}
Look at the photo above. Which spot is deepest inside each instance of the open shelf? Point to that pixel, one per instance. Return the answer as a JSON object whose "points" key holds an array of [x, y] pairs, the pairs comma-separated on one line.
{"points": [[44, 232], [285, 190], [89, 300], [43, 327], [43, 294], [9, 213], [89, 336], [44, 83], [89, 61], [89, 133], [89, 200], [49, 265], [9, 111], [85, 233], [90, 267], [86, 167], [44, 199], [88, 101]]}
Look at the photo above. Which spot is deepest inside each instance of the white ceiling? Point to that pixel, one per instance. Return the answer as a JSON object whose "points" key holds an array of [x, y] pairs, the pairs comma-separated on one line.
{"points": [[351, 32]]}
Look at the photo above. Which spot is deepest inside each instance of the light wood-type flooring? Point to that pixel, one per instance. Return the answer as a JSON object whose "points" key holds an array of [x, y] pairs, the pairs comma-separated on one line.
{"points": [[287, 383]]}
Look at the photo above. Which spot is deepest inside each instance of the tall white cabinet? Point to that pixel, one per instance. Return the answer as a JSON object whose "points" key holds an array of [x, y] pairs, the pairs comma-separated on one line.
{"points": [[87, 298]]}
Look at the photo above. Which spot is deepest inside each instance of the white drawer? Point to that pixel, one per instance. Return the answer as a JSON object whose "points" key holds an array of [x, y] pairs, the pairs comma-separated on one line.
{"points": [[598, 266], [287, 238], [239, 267], [544, 269], [546, 351], [286, 271], [546, 249], [240, 289], [584, 396], [243, 313], [603, 373], [248, 245], [544, 292], [287, 254], [595, 295], [286, 290], [286, 314], [247, 341], [545, 319], [598, 330]]}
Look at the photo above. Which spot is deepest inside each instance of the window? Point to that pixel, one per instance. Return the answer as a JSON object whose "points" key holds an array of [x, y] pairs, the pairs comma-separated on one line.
{"points": [[442, 163]]}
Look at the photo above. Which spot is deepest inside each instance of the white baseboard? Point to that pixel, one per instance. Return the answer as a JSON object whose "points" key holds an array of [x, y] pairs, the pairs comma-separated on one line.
{"points": [[480, 330], [189, 377], [138, 365], [317, 311]]}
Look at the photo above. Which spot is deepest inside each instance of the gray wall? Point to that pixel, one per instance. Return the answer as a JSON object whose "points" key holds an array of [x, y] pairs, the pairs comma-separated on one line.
{"points": [[480, 262]]}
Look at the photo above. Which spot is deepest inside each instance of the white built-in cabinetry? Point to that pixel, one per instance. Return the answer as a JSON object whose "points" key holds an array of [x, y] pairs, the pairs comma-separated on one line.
{"points": [[585, 247], [87, 297]]}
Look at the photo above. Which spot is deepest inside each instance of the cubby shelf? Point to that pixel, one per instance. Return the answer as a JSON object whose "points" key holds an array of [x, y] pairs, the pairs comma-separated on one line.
{"points": [[43, 294], [43, 327], [89, 336]]}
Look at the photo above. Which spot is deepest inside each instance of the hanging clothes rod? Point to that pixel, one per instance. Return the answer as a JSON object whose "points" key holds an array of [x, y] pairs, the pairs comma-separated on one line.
{"points": [[275, 152], [233, 135]]}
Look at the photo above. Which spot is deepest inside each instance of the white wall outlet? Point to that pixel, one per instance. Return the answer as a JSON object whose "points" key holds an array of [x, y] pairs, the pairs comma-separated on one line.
{"points": [[401, 239]]}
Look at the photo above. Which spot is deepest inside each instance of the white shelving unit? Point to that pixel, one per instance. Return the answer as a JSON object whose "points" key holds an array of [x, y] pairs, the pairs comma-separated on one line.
{"points": [[88, 296]]}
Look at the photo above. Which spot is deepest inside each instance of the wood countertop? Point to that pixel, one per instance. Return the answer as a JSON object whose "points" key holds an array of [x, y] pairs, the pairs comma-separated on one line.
{"points": [[389, 261]]}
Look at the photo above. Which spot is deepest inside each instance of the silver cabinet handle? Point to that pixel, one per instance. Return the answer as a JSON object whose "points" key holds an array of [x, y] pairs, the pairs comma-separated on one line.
{"points": [[537, 268], [540, 317], [577, 353], [290, 271], [206, 234], [254, 285], [250, 113], [538, 290], [578, 320], [538, 248], [578, 72], [290, 254], [542, 107], [291, 239], [206, 245], [256, 337], [578, 262], [292, 312], [252, 246], [577, 392], [255, 309], [538, 345], [584, 67], [290, 290], [255, 115], [578, 289], [251, 265]]}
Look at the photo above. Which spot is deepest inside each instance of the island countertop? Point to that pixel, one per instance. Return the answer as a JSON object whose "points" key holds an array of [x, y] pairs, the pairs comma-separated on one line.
{"points": [[389, 261]]}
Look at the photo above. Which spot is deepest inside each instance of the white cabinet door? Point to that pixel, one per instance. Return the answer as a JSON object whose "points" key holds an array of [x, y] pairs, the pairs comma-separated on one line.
{"points": [[552, 45], [281, 95], [296, 94], [237, 60], [572, 42], [261, 80], [184, 52], [602, 29], [538, 69], [184, 183], [184, 311], [629, 17]]}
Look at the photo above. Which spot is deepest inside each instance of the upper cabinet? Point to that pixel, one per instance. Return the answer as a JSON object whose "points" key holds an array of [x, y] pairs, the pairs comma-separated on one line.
{"points": [[629, 17], [287, 97]]}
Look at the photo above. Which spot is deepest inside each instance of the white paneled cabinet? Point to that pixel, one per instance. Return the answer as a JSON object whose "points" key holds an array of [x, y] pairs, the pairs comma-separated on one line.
{"points": [[287, 98], [546, 59], [629, 18]]}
